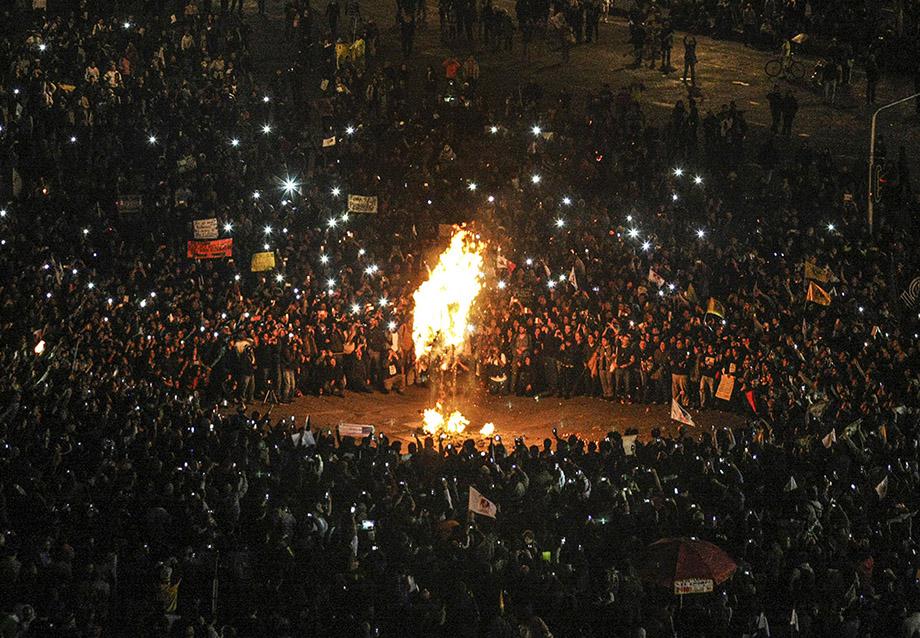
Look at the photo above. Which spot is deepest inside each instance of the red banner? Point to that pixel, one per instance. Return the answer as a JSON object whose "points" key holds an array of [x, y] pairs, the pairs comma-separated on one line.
{"points": [[210, 249]]}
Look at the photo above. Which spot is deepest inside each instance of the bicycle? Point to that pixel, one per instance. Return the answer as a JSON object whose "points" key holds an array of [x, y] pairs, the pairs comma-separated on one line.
{"points": [[795, 70]]}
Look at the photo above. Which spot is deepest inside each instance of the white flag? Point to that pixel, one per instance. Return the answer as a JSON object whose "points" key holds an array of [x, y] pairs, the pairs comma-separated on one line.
{"points": [[763, 627], [655, 278], [479, 504], [679, 414], [791, 485], [794, 620], [830, 439], [882, 488]]}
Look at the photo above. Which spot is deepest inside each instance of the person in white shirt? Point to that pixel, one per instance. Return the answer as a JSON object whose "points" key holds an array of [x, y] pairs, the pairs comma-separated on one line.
{"points": [[92, 74]]}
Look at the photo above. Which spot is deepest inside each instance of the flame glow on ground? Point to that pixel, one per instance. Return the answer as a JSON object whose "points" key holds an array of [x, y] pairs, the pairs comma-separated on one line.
{"points": [[433, 421], [440, 321]]}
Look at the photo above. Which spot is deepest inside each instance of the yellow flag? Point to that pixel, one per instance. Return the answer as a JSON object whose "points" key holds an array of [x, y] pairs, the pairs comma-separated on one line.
{"points": [[816, 272], [691, 295], [262, 261], [817, 294], [715, 307]]}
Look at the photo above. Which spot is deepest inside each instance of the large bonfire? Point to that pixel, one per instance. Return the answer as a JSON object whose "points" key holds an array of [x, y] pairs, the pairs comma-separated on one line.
{"points": [[440, 322]]}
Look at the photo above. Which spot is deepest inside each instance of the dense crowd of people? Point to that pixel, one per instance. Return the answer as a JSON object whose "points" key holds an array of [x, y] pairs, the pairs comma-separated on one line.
{"points": [[627, 259]]}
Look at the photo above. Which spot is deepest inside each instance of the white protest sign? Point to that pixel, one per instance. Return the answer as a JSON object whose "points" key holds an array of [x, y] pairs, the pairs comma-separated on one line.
{"points": [[355, 430], [629, 444], [726, 387], [205, 228]]}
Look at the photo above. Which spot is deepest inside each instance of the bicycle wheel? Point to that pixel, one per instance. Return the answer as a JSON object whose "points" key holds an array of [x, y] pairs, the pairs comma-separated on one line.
{"points": [[773, 68], [796, 70]]}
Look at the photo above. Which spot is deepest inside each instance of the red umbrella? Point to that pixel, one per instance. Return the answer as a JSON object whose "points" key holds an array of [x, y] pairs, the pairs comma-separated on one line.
{"points": [[686, 565]]}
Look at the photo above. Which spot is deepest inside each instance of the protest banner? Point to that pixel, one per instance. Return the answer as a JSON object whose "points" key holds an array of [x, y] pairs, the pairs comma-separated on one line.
{"points": [[128, 204], [726, 387], [362, 203], [693, 586], [205, 228], [629, 444], [210, 249], [260, 262], [355, 430]]}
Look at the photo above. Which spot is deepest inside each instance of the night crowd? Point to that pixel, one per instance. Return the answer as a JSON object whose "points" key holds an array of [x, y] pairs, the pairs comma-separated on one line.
{"points": [[146, 489]]}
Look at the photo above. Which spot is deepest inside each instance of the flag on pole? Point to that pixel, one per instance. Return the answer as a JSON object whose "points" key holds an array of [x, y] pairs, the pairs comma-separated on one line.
{"points": [[479, 504], [752, 400], [817, 294], [573, 279], [817, 273], [655, 278], [882, 488], [830, 438], [678, 413], [715, 307], [503, 263]]}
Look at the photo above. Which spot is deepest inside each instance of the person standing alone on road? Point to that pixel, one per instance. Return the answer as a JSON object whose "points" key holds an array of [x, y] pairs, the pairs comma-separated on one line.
{"points": [[690, 58], [406, 18], [775, 99], [667, 43]]}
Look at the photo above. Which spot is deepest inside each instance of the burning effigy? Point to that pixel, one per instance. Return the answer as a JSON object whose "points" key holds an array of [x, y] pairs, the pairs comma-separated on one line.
{"points": [[441, 326]]}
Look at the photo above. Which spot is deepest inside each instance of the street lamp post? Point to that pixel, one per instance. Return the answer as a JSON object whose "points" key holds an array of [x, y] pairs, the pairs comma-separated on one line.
{"points": [[870, 204]]}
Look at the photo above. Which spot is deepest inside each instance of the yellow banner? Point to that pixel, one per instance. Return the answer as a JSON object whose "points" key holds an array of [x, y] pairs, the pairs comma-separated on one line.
{"points": [[261, 262]]}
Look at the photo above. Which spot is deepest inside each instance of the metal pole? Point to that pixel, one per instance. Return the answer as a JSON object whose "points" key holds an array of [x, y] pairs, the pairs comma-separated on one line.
{"points": [[870, 209]]}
